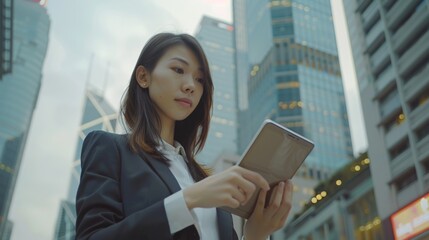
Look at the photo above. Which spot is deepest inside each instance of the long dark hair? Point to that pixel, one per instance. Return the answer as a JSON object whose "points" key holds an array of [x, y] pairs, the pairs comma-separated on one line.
{"points": [[142, 120]]}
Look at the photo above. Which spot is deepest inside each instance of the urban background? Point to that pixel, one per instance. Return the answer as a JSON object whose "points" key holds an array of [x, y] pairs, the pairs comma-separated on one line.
{"points": [[351, 75]]}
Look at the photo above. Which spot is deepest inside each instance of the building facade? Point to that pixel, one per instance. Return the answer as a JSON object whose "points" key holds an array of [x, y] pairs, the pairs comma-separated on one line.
{"points": [[97, 115], [215, 37], [343, 208], [6, 36], [19, 91], [390, 47], [288, 51]]}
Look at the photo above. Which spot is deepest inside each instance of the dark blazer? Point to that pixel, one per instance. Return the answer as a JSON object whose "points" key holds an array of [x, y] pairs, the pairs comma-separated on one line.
{"points": [[121, 194]]}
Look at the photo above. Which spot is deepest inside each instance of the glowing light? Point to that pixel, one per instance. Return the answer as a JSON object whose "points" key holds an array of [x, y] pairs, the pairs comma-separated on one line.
{"points": [[314, 200], [357, 168], [365, 161], [318, 197], [323, 194], [338, 182], [376, 221]]}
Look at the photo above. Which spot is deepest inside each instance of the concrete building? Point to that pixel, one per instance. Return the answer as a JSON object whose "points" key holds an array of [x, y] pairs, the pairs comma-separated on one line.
{"points": [[215, 37], [97, 115], [342, 208], [19, 89], [390, 47]]}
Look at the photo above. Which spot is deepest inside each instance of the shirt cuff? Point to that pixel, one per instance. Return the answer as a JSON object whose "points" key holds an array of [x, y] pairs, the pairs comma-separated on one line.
{"points": [[178, 214]]}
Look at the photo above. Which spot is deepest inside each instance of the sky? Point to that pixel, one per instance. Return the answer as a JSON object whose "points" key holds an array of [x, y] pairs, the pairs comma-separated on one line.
{"points": [[112, 33]]}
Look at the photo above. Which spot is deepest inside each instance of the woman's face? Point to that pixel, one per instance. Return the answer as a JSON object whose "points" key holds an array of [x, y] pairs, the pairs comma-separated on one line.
{"points": [[176, 84]]}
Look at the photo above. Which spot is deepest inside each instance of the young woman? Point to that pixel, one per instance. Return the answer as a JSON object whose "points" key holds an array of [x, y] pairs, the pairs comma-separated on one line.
{"points": [[146, 184]]}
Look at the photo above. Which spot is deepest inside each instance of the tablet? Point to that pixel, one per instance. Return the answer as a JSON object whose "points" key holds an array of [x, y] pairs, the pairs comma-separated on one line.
{"points": [[276, 153]]}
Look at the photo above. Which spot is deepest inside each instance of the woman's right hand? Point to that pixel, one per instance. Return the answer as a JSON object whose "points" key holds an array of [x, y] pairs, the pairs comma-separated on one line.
{"points": [[232, 188]]}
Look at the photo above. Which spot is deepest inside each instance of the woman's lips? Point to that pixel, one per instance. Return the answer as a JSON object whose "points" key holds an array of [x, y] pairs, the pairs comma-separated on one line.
{"points": [[184, 102]]}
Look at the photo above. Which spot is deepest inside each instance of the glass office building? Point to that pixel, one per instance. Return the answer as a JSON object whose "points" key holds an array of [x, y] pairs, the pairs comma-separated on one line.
{"points": [[390, 43], [19, 91], [6, 36], [215, 37], [97, 115], [287, 58]]}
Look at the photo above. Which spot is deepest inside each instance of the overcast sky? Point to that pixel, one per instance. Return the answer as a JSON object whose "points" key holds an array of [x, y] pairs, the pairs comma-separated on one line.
{"points": [[114, 32]]}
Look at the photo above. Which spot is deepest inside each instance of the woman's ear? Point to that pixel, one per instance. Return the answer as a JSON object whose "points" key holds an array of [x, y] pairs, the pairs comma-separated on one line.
{"points": [[142, 76]]}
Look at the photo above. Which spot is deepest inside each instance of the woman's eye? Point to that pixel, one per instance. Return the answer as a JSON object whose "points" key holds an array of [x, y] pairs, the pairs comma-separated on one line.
{"points": [[200, 80], [178, 70]]}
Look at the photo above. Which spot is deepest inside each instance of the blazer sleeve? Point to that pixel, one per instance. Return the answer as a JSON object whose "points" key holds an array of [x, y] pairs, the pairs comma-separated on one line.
{"points": [[98, 201]]}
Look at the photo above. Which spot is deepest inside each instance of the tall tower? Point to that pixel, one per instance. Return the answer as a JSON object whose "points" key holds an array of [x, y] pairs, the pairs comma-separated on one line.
{"points": [[97, 115], [286, 58], [389, 39], [19, 91], [215, 37], [6, 36]]}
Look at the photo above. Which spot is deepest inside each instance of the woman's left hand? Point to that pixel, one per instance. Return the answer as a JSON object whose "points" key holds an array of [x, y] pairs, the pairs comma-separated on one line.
{"points": [[266, 220]]}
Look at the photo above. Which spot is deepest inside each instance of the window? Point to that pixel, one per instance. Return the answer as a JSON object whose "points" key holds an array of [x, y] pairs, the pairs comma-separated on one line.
{"points": [[399, 148], [422, 131], [419, 99], [405, 180]]}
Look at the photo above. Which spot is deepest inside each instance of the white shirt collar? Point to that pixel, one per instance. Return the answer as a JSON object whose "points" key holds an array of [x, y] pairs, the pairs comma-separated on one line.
{"points": [[168, 148]]}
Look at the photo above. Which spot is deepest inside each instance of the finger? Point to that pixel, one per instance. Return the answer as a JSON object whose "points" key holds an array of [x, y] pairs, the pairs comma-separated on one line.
{"points": [[238, 194], [276, 200], [232, 202], [246, 186], [272, 194], [260, 203], [255, 178], [286, 202], [247, 196], [288, 191]]}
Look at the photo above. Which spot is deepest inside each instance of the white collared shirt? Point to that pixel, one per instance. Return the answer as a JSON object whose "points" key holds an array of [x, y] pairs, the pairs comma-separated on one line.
{"points": [[178, 214]]}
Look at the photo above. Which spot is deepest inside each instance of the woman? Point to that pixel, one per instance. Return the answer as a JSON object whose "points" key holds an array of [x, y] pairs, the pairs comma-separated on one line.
{"points": [[146, 184]]}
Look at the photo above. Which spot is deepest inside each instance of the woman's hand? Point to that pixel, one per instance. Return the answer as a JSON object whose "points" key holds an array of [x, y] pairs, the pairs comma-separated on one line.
{"points": [[230, 188], [266, 220]]}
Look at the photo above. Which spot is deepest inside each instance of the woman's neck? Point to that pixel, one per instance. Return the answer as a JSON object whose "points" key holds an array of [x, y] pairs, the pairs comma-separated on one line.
{"points": [[167, 133]]}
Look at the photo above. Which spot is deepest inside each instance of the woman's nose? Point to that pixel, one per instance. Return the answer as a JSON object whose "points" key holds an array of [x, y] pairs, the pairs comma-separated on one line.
{"points": [[189, 84]]}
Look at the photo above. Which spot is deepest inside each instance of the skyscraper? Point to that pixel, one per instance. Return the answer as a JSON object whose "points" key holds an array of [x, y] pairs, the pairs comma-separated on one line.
{"points": [[390, 47], [215, 37], [286, 59], [6, 36], [19, 91], [97, 115]]}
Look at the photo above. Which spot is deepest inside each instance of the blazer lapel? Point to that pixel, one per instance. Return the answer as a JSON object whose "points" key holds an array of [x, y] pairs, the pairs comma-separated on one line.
{"points": [[225, 224], [163, 172]]}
